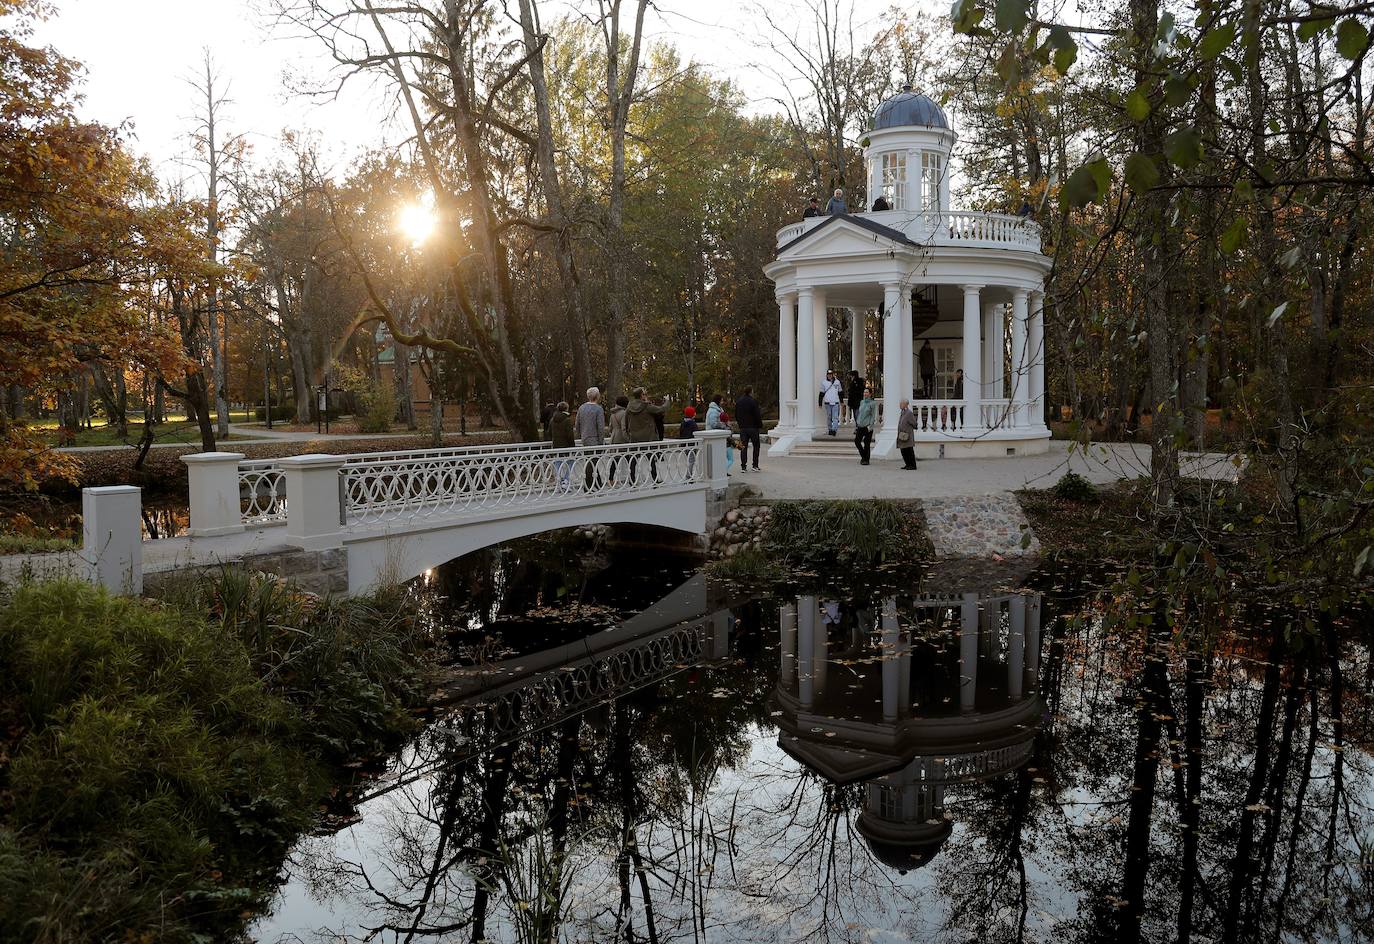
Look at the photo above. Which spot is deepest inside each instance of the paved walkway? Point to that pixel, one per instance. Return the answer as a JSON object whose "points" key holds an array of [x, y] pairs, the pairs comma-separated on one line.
{"points": [[251, 436], [816, 477]]}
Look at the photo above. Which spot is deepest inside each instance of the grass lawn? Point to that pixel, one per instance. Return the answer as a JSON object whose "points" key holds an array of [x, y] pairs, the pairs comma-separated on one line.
{"points": [[177, 429]]}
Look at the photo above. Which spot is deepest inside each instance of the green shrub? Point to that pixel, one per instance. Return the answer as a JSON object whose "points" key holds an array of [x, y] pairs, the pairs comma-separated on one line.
{"points": [[168, 752], [820, 531], [281, 411], [376, 408], [1074, 487]]}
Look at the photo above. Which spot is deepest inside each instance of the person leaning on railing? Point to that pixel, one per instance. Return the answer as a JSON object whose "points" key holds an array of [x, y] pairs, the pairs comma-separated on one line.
{"points": [[641, 426]]}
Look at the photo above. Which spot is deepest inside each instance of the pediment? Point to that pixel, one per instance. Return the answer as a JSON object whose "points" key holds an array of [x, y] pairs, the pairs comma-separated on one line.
{"points": [[840, 237]]}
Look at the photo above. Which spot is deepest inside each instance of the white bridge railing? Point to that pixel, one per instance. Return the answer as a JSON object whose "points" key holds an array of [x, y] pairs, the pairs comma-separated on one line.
{"points": [[317, 494], [383, 486]]}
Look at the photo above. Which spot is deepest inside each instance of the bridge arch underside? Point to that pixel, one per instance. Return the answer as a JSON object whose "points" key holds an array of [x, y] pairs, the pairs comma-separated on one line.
{"points": [[397, 551]]}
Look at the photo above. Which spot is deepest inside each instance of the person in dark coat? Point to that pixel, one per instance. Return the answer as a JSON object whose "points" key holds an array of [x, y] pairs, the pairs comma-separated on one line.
{"points": [[926, 358], [881, 204], [906, 436], [561, 432], [750, 419], [854, 391], [644, 422], [813, 208], [545, 416]]}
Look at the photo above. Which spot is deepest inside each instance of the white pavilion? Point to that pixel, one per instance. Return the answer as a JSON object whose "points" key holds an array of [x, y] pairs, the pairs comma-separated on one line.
{"points": [[970, 283]]}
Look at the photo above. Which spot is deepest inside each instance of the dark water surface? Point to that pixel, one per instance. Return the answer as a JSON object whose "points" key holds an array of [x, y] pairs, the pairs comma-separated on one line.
{"points": [[631, 754]]}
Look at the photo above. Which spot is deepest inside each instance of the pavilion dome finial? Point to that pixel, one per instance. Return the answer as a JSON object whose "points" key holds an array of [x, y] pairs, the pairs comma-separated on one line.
{"points": [[909, 109]]}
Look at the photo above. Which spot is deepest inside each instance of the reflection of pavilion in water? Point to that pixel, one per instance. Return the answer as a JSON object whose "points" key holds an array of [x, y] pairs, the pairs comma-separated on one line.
{"points": [[941, 693]]}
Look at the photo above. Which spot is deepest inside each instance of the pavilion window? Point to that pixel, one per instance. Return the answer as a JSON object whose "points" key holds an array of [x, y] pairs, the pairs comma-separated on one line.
{"points": [[889, 802], [894, 180], [931, 172]]}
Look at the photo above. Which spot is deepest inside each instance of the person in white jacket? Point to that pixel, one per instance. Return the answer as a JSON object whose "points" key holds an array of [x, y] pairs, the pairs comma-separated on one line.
{"points": [[832, 392]]}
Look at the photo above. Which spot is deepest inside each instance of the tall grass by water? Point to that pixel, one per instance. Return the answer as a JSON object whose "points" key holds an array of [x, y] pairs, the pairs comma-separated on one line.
{"points": [[158, 757]]}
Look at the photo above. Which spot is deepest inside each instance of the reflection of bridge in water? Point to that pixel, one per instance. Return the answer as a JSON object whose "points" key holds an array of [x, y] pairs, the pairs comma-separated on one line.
{"points": [[940, 693], [500, 701]]}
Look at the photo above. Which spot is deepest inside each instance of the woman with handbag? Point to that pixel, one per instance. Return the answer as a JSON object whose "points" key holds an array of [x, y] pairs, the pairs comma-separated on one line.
{"points": [[906, 436]]}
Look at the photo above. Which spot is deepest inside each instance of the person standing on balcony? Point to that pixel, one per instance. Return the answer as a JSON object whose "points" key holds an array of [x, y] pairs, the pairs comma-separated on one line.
{"points": [[926, 357], [881, 204], [864, 417], [561, 432], [750, 418], [813, 208], [831, 393], [591, 429], [836, 205], [906, 436]]}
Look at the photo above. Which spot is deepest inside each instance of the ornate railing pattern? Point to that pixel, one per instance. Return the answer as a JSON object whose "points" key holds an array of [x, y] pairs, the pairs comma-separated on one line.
{"points": [[987, 763], [262, 492], [383, 487], [554, 695], [262, 482], [942, 416], [1014, 231]]}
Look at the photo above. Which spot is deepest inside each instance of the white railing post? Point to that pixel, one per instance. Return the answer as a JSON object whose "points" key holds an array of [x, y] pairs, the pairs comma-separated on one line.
{"points": [[313, 501], [112, 537], [713, 456], [213, 485]]}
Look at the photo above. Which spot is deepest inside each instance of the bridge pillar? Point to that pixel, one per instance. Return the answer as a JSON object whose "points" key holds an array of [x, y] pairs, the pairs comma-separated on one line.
{"points": [[212, 482], [112, 541], [314, 503], [712, 464]]}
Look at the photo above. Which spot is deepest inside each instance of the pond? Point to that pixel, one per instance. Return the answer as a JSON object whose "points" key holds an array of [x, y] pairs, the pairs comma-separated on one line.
{"points": [[628, 751]]}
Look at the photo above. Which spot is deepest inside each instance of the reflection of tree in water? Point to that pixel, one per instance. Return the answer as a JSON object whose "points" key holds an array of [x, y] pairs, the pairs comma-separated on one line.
{"points": [[1171, 795]]}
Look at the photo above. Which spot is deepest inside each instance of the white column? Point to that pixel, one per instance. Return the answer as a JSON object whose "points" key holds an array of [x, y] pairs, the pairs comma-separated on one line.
{"points": [[1019, 363], [312, 501], [998, 351], [913, 181], [885, 445], [1033, 638], [857, 322], [968, 651], [212, 481], [821, 348], [806, 651], [1035, 343], [112, 537], [973, 357], [892, 660], [787, 625], [908, 352], [807, 386], [1016, 658], [787, 357]]}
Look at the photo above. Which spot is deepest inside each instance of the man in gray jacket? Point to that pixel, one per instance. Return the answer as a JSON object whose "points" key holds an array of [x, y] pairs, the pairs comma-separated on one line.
{"points": [[591, 429]]}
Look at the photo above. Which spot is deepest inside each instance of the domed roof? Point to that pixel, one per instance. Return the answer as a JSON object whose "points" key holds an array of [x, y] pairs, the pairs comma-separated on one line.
{"points": [[907, 109]]}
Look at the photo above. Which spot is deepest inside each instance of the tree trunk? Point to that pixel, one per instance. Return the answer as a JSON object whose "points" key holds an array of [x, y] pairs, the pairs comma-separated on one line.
{"points": [[1155, 241], [619, 97], [553, 196]]}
